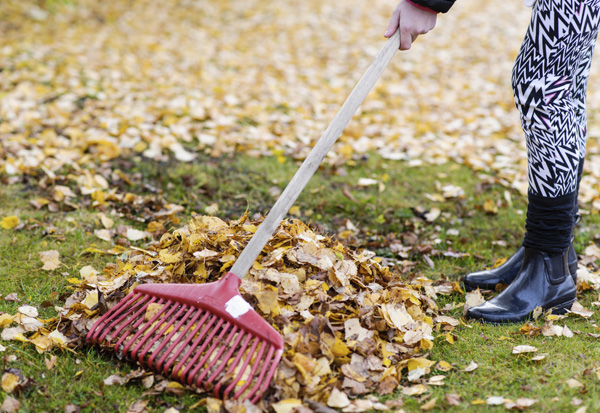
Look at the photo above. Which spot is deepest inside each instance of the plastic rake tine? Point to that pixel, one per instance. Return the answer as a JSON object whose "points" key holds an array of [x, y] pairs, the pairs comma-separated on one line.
{"points": [[153, 336], [166, 340], [115, 312], [259, 381], [257, 361], [120, 320], [207, 341], [148, 329], [161, 335], [180, 370], [235, 363], [139, 320], [213, 362], [170, 349]]}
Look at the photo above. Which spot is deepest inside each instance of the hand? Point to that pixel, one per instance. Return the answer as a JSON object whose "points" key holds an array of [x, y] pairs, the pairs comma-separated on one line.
{"points": [[411, 21]]}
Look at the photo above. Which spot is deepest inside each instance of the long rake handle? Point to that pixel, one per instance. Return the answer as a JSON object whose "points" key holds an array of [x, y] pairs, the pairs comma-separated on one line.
{"points": [[315, 157]]}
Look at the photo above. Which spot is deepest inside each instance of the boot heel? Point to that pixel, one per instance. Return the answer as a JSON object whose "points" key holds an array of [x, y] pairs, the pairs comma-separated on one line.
{"points": [[562, 308]]}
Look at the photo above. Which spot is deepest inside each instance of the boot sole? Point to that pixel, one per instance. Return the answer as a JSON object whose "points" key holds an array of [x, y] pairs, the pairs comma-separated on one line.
{"points": [[557, 310]]}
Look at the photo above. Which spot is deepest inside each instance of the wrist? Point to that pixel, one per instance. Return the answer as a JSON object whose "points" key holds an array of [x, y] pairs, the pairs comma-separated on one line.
{"points": [[418, 6]]}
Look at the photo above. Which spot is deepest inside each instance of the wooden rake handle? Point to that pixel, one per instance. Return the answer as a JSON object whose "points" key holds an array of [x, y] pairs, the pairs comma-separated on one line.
{"points": [[315, 157]]}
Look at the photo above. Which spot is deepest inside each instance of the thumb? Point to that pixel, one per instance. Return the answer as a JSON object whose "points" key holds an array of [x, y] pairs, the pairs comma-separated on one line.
{"points": [[393, 24]]}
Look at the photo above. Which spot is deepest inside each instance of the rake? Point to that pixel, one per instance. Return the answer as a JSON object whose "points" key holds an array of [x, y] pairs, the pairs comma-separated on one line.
{"points": [[206, 335]]}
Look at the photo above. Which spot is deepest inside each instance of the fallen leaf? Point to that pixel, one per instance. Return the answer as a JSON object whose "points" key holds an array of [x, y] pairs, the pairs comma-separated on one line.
{"points": [[286, 405], [429, 405], [114, 379], [10, 381], [574, 384], [473, 299], [495, 401], [436, 380], [51, 362], [138, 406], [524, 349], [338, 399], [10, 405], [578, 309], [472, 366], [28, 310], [414, 390], [50, 259], [453, 399], [9, 222]]}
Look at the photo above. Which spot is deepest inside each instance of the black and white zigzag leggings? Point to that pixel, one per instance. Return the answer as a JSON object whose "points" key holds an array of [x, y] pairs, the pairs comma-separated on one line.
{"points": [[549, 80]]}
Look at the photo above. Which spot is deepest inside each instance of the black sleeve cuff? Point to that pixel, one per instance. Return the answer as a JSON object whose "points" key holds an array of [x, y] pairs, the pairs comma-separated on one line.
{"points": [[440, 6]]}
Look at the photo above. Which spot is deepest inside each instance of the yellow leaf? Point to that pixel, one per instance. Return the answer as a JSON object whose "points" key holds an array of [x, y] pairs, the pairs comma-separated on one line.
{"points": [[444, 366], [419, 362], [152, 310], [91, 300], [169, 258], [426, 344], [9, 222], [286, 405], [9, 382], [340, 349], [42, 343], [295, 211], [429, 405], [6, 319], [489, 206]]}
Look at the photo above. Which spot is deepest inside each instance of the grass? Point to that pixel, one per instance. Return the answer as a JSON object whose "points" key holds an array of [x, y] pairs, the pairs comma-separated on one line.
{"points": [[332, 197]]}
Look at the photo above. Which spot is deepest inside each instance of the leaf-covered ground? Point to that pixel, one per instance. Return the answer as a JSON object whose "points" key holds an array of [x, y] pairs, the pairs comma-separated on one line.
{"points": [[96, 95]]}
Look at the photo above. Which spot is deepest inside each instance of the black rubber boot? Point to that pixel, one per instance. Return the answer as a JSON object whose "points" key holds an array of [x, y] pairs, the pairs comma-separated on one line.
{"points": [[506, 273], [542, 281]]}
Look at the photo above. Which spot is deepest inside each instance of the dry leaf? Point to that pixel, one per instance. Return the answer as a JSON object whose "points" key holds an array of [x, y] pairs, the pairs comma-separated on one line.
{"points": [[429, 405], [50, 259], [286, 405], [472, 366], [495, 400], [524, 349], [473, 299], [10, 405], [453, 399], [574, 384], [9, 222], [51, 362], [28, 310], [338, 399]]}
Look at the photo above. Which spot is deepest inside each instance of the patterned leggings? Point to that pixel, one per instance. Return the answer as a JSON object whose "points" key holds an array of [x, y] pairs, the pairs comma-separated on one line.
{"points": [[549, 82]]}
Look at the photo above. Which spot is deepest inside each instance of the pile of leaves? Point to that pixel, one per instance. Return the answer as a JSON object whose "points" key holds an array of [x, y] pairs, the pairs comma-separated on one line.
{"points": [[351, 325]]}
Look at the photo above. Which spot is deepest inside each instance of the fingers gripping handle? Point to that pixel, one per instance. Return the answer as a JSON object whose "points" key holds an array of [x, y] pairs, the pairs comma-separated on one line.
{"points": [[315, 157]]}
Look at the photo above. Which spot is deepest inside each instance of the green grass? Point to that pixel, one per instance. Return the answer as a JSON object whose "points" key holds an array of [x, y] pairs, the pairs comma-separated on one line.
{"points": [[243, 183]]}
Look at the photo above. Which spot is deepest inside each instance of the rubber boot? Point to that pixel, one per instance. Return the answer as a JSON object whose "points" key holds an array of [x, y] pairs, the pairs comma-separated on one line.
{"points": [[542, 281], [506, 273]]}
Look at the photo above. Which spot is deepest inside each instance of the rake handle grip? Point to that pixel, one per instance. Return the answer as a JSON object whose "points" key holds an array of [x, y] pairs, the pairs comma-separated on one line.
{"points": [[315, 157]]}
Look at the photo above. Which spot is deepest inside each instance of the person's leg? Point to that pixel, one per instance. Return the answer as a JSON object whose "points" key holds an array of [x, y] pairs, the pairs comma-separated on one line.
{"points": [[542, 54], [545, 78]]}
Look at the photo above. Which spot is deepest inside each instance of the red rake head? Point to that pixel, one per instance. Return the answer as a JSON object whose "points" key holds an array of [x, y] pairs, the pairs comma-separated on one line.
{"points": [[202, 335]]}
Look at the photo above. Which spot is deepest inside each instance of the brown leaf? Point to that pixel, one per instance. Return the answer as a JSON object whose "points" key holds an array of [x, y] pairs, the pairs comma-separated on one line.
{"points": [[50, 259], [138, 407], [51, 362], [429, 405], [453, 399], [10, 405]]}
